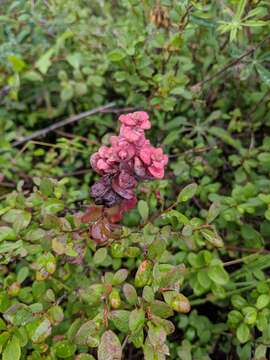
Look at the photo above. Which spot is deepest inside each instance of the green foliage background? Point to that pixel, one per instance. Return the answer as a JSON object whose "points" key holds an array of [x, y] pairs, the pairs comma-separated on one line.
{"points": [[201, 70]]}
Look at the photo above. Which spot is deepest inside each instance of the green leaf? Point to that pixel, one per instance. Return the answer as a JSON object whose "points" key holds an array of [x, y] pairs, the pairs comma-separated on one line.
{"points": [[4, 336], [156, 249], [161, 309], [53, 206], [32, 75], [255, 23], [238, 301], [176, 41], [144, 274], [143, 210], [187, 193], [218, 275], [136, 320], [130, 294], [157, 335], [264, 74], [120, 276], [213, 211], [67, 92], [109, 347], [267, 214], [212, 237], [2, 326], [148, 294], [92, 294], [39, 330], [4, 301], [75, 60], [7, 233], [250, 315], [80, 88], [23, 274], [35, 235], [137, 339], [262, 301], [87, 334], [84, 356], [181, 218], [100, 256], [44, 62], [225, 136], [243, 333], [168, 275], [8, 247], [12, 350], [262, 320], [17, 64], [171, 137], [264, 157], [64, 349], [182, 92], [178, 302], [46, 187], [234, 318], [56, 314], [116, 55], [47, 262], [203, 279], [260, 352], [19, 218], [240, 9], [120, 319]]}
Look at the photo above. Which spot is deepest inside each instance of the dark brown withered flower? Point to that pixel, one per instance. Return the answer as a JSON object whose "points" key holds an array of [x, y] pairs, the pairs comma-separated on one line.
{"points": [[159, 16], [103, 193]]}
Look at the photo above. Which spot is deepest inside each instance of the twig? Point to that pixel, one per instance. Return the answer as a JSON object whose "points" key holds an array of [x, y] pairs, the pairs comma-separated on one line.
{"points": [[257, 105], [198, 86], [240, 260], [59, 124], [56, 146], [75, 173], [247, 250], [4, 92], [201, 149], [159, 214], [73, 136], [116, 111], [182, 23], [7, 185], [124, 342]]}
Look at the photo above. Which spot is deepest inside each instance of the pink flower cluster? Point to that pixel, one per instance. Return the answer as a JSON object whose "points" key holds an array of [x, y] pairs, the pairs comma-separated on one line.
{"points": [[129, 159]]}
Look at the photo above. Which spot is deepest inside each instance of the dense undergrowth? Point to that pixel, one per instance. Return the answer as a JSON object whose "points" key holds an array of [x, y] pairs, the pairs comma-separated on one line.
{"points": [[185, 273]]}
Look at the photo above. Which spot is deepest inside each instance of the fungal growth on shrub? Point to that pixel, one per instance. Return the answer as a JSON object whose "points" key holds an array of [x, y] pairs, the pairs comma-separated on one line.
{"points": [[130, 158]]}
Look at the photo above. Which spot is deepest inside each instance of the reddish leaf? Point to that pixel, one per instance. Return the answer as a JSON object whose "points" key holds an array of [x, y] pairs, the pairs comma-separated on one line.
{"points": [[114, 214], [92, 214], [100, 231]]}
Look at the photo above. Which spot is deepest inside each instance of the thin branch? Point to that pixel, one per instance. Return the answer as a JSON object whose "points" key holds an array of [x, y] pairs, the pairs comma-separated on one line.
{"points": [[4, 92], [59, 124], [124, 342], [247, 250], [74, 136], [201, 149], [7, 185], [75, 173], [117, 111], [197, 87], [56, 146], [182, 23]]}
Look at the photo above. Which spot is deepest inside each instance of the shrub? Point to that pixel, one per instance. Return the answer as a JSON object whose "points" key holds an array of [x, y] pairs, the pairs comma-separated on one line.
{"points": [[184, 274]]}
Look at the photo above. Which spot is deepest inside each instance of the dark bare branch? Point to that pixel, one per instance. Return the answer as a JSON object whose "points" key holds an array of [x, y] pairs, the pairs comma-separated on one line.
{"points": [[59, 124]]}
